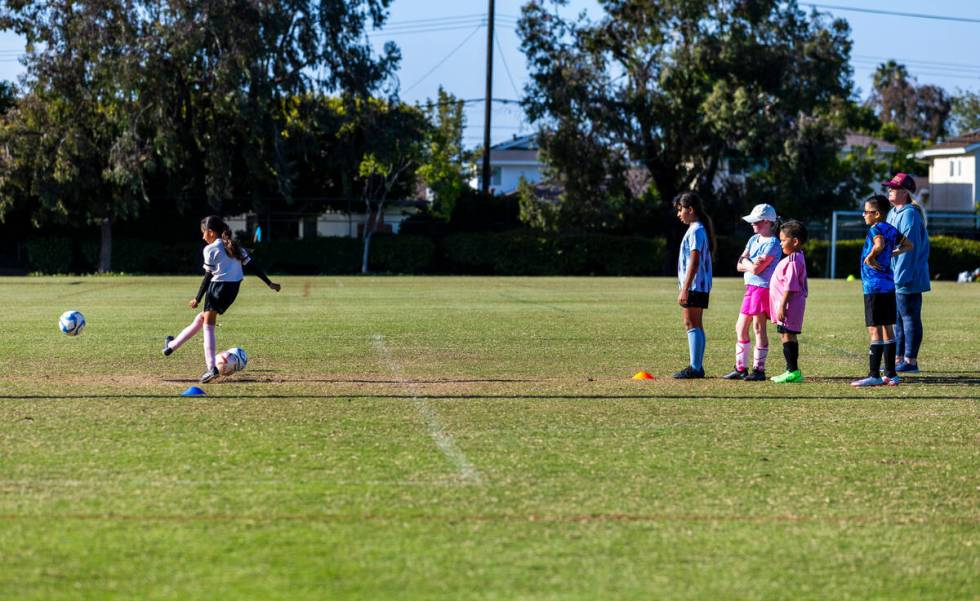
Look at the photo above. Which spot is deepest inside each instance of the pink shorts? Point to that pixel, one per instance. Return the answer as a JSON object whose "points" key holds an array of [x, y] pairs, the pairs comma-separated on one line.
{"points": [[755, 301]]}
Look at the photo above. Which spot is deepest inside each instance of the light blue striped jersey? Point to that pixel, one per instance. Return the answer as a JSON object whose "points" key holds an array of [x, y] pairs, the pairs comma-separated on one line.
{"points": [[696, 238]]}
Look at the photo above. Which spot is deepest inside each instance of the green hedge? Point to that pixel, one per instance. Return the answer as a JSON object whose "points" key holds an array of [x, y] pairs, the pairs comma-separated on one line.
{"points": [[515, 252], [527, 253]]}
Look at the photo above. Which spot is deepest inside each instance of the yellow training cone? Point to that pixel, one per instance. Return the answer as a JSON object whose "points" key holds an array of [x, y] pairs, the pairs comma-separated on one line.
{"points": [[642, 375]]}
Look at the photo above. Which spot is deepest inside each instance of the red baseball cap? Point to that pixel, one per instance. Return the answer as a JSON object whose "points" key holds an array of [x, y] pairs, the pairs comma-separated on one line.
{"points": [[901, 180]]}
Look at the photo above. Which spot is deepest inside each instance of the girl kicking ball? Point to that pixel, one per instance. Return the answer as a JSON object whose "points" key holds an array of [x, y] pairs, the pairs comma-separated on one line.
{"points": [[224, 264]]}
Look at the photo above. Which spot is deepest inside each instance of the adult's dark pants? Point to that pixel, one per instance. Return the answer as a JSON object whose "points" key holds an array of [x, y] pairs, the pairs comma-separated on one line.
{"points": [[908, 329]]}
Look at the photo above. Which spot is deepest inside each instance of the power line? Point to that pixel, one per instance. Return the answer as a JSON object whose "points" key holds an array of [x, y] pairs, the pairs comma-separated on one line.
{"points": [[892, 13], [445, 58], [503, 59]]}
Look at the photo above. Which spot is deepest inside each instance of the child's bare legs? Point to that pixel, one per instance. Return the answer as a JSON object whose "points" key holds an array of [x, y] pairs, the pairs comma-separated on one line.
{"points": [[692, 317]]}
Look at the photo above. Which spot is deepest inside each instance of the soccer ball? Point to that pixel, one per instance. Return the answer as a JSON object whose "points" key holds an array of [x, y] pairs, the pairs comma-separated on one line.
{"points": [[71, 323], [242, 357], [227, 363]]}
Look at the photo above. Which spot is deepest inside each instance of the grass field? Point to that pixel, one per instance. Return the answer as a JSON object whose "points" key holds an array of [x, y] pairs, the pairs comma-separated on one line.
{"points": [[476, 438]]}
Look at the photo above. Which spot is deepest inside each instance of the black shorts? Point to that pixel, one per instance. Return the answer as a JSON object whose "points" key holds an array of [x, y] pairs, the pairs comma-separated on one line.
{"points": [[879, 309], [220, 296], [784, 330], [696, 299]]}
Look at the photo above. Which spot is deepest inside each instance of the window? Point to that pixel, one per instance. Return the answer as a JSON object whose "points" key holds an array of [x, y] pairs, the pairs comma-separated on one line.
{"points": [[959, 167], [951, 168], [495, 176]]}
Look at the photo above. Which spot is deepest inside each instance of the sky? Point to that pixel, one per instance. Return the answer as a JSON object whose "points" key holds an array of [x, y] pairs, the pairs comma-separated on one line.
{"points": [[444, 43]]}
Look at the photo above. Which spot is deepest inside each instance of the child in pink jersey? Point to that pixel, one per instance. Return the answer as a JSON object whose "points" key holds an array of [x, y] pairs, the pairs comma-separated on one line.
{"points": [[787, 297]]}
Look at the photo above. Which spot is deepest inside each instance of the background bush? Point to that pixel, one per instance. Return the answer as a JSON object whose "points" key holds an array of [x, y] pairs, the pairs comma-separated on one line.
{"points": [[514, 252]]}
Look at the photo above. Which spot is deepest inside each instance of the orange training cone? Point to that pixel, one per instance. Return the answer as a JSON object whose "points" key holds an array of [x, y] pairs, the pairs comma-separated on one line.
{"points": [[642, 375]]}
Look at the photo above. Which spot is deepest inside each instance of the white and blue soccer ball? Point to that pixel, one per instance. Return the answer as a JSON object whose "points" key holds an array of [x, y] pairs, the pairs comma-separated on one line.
{"points": [[71, 323], [230, 361], [242, 357], [226, 362]]}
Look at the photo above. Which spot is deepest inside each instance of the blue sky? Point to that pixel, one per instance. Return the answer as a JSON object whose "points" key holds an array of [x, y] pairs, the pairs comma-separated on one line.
{"points": [[443, 43]]}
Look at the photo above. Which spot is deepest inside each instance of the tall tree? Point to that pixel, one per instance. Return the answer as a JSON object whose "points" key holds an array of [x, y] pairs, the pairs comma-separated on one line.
{"points": [[917, 111], [966, 112], [443, 169], [192, 91], [678, 86]]}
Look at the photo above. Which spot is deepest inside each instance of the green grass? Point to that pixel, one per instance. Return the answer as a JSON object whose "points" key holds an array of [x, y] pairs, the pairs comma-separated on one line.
{"points": [[476, 438]]}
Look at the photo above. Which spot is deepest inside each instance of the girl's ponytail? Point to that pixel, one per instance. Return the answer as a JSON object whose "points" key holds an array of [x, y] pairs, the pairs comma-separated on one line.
{"points": [[232, 247]]}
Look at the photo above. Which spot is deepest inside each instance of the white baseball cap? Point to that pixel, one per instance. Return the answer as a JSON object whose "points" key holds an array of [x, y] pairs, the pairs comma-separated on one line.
{"points": [[761, 212]]}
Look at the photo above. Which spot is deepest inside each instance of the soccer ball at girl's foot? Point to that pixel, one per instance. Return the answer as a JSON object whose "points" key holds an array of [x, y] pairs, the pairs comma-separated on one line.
{"points": [[242, 357], [226, 362], [71, 323]]}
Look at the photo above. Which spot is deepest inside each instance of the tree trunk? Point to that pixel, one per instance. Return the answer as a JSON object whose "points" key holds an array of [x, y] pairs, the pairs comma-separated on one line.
{"points": [[105, 248], [367, 247]]}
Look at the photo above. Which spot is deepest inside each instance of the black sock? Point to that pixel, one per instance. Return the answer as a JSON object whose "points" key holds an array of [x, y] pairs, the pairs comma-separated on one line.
{"points": [[791, 350], [890, 359], [874, 359]]}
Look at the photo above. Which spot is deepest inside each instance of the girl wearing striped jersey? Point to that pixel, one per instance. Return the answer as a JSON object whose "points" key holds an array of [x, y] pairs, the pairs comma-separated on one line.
{"points": [[694, 277], [225, 262]]}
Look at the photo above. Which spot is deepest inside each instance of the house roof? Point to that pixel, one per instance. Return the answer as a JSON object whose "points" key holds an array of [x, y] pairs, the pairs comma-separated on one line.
{"points": [[965, 144], [529, 142]]}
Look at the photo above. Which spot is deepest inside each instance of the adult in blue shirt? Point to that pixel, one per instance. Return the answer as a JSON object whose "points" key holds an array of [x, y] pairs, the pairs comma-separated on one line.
{"points": [[911, 270]]}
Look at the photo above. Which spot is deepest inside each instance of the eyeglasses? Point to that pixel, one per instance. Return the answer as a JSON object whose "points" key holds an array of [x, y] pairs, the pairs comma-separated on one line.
{"points": [[870, 212]]}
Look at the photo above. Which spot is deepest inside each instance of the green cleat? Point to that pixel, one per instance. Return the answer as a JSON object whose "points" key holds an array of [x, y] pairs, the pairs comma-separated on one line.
{"points": [[789, 377]]}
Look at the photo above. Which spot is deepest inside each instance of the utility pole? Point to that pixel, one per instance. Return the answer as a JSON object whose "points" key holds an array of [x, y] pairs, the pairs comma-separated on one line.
{"points": [[489, 101]]}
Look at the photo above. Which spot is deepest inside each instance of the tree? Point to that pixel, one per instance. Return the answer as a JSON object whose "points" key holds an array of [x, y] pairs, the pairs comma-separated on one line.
{"points": [[191, 94], [677, 87], [966, 112], [443, 169], [917, 111], [394, 133]]}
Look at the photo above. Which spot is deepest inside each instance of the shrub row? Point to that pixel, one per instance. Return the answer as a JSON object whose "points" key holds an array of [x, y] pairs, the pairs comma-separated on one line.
{"points": [[515, 252]]}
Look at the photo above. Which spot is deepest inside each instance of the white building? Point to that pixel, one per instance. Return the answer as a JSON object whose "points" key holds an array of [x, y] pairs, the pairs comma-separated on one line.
{"points": [[953, 173], [512, 160]]}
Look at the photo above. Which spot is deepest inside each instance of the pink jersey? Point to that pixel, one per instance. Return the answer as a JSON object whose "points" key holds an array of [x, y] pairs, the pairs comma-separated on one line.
{"points": [[790, 276]]}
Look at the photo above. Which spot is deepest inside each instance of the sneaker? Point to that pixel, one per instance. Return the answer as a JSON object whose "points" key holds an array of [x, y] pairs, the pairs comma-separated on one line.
{"points": [[736, 374], [869, 381], [167, 351], [209, 375], [891, 380], [689, 373], [907, 368], [788, 377], [758, 375]]}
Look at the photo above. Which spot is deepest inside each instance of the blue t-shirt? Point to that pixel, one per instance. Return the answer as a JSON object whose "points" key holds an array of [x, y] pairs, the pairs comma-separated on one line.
{"points": [[876, 281], [911, 268], [696, 238], [762, 247]]}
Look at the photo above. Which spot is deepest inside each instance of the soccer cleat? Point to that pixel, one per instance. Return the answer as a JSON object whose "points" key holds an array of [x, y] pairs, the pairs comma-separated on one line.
{"points": [[209, 375], [689, 373], [907, 368], [735, 374], [758, 375], [869, 381], [891, 380], [166, 346], [788, 377]]}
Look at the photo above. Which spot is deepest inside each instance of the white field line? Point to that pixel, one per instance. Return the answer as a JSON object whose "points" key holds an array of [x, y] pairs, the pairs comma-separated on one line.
{"points": [[443, 439]]}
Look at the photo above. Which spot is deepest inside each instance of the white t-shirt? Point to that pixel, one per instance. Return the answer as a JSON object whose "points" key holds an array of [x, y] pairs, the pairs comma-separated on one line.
{"points": [[222, 267]]}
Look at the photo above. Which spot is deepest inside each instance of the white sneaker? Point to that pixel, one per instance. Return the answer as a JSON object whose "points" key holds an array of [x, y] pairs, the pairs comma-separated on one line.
{"points": [[869, 381]]}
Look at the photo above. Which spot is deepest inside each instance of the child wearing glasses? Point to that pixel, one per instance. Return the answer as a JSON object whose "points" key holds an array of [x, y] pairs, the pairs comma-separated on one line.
{"points": [[882, 243]]}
